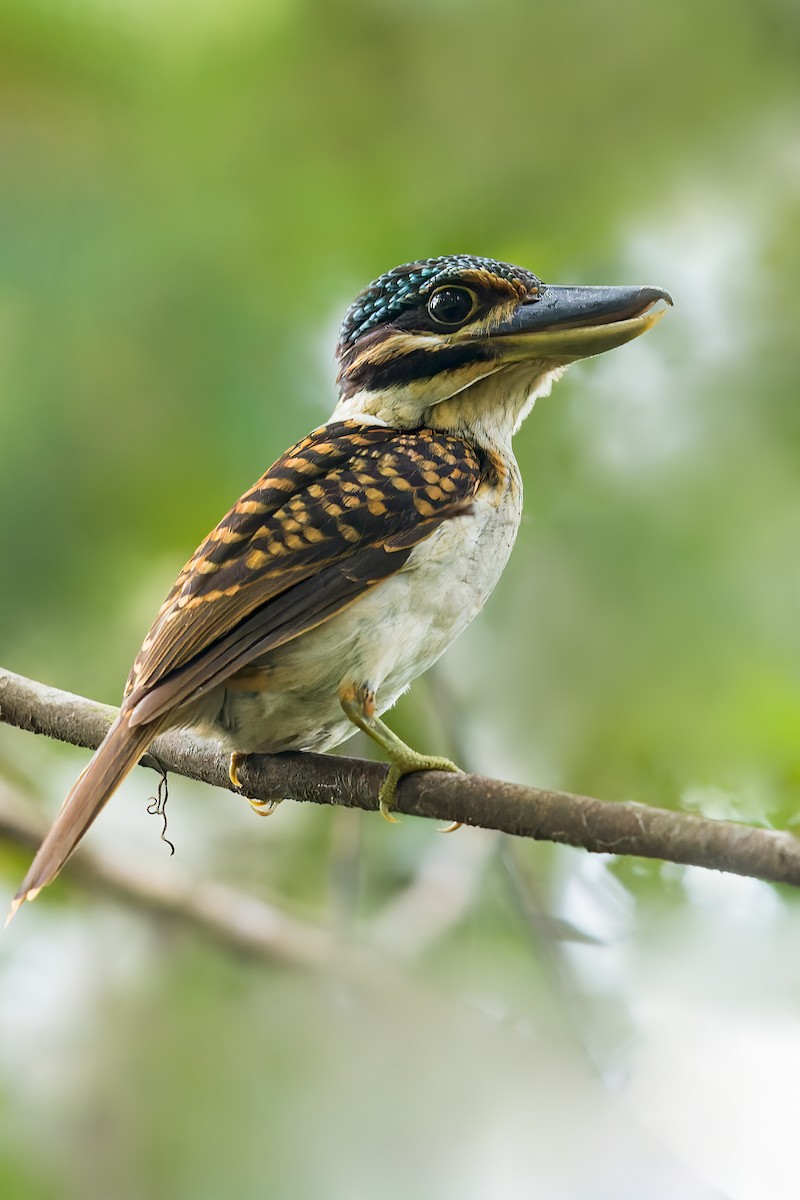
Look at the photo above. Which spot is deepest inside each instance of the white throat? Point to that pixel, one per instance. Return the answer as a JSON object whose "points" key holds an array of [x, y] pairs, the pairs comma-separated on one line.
{"points": [[488, 411]]}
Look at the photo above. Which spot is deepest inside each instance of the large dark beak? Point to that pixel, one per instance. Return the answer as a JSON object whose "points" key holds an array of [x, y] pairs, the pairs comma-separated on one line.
{"points": [[566, 323]]}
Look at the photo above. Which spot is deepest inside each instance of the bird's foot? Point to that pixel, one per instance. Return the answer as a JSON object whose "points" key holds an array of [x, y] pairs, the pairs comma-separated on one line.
{"points": [[405, 764], [358, 702], [263, 808]]}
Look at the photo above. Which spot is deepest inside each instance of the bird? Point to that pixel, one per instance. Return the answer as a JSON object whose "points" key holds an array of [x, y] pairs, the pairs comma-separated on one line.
{"points": [[352, 564]]}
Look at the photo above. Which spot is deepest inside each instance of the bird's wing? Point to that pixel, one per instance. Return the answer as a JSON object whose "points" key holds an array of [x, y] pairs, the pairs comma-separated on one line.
{"points": [[339, 512]]}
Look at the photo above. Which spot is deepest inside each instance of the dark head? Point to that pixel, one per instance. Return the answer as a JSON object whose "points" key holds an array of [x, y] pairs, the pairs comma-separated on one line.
{"points": [[448, 341]]}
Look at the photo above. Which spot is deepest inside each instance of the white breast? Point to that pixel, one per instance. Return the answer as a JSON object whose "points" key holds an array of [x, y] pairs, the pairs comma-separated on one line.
{"points": [[411, 619], [386, 639]]}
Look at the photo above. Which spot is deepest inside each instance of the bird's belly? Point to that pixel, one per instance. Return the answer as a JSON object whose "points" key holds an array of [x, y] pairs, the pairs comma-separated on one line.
{"points": [[385, 639]]}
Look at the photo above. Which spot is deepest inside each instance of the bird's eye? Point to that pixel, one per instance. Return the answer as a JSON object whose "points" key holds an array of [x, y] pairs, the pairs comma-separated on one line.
{"points": [[452, 305]]}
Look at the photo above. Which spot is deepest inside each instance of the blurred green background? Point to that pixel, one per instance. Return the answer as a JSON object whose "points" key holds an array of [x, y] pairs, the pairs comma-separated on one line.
{"points": [[190, 195]]}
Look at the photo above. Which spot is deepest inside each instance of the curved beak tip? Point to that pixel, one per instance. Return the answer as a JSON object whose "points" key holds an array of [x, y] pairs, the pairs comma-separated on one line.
{"points": [[660, 294], [657, 306]]}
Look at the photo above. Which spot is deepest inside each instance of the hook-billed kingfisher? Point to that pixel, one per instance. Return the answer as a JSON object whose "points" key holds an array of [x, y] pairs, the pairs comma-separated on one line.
{"points": [[348, 568]]}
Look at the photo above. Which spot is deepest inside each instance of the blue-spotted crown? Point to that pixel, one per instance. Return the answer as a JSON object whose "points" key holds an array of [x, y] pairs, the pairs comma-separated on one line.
{"points": [[403, 287]]}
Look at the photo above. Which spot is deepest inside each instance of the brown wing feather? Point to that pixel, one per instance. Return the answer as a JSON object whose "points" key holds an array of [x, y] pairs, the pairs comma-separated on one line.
{"points": [[294, 611], [355, 512], [216, 587], [335, 515]]}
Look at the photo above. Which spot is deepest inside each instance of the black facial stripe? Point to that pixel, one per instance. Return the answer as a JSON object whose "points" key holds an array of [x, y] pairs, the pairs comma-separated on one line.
{"points": [[413, 365]]}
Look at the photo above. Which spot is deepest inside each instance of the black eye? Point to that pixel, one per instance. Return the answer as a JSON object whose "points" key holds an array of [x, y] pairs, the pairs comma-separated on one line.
{"points": [[452, 305]]}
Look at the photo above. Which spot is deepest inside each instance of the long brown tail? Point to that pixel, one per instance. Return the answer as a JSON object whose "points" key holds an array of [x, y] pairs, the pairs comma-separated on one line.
{"points": [[117, 754]]}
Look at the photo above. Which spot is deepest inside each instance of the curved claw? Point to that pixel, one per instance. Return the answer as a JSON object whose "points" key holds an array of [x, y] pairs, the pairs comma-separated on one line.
{"points": [[236, 760], [451, 828], [263, 808]]}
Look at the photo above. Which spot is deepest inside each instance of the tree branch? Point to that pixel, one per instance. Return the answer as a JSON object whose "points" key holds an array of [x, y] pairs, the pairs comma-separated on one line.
{"points": [[596, 825]]}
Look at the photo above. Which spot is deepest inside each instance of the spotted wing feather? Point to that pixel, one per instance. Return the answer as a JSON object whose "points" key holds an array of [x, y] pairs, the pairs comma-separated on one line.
{"points": [[333, 517]]}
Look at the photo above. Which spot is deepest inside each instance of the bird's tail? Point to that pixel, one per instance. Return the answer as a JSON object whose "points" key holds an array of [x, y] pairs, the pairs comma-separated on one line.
{"points": [[117, 754]]}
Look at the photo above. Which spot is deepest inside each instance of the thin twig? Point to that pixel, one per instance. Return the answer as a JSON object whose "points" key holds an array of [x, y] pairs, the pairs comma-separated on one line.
{"points": [[596, 825]]}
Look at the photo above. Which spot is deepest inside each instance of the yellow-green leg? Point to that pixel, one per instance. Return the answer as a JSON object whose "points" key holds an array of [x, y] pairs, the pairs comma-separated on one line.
{"points": [[359, 705]]}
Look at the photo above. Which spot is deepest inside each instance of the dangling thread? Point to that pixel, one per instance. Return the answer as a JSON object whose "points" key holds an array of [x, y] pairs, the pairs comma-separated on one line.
{"points": [[158, 807]]}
